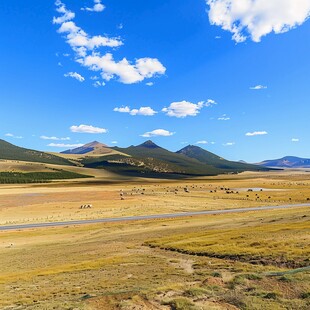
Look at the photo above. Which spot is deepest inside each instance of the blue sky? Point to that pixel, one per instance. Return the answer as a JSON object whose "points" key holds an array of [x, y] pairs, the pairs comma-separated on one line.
{"points": [[230, 76]]}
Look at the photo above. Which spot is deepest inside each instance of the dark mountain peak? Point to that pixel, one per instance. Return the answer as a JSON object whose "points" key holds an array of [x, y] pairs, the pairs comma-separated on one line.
{"points": [[190, 147], [149, 144], [194, 150]]}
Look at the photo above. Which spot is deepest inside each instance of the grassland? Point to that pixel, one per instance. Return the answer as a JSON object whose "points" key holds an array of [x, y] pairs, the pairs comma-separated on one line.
{"points": [[223, 261]]}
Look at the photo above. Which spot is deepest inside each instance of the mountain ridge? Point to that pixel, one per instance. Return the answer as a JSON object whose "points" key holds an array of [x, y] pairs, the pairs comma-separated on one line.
{"points": [[287, 162]]}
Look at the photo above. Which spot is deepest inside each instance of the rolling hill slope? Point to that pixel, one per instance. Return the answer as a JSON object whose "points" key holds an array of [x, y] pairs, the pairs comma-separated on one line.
{"points": [[209, 158], [175, 163], [94, 147], [12, 152]]}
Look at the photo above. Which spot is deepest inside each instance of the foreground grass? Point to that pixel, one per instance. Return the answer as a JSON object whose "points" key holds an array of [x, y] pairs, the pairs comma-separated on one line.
{"points": [[107, 266], [278, 242]]}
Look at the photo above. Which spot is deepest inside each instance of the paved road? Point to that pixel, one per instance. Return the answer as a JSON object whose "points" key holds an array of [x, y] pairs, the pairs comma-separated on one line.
{"points": [[146, 217]]}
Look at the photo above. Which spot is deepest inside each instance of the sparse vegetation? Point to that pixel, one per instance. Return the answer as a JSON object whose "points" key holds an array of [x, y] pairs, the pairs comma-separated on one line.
{"points": [[108, 266]]}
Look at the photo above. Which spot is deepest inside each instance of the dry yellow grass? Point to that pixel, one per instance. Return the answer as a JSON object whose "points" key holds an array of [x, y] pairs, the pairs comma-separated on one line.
{"points": [[107, 266], [60, 201]]}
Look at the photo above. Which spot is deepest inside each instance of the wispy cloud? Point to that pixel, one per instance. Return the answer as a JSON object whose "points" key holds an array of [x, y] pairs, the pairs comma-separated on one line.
{"points": [[158, 132], [98, 7], [258, 87], [184, 108], [86, 51], [98, 84], [75, 75], [54, 138], [202, 142], [229, 143], [149, 83], [224, 117], [257, 18], [64, 145], [295, 140], [87, 129], [13, 136], [256, 133], [145, 111]]}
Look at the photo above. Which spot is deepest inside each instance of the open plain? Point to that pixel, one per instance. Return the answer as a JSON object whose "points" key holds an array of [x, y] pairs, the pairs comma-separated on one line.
{"points": [[250, 260]]}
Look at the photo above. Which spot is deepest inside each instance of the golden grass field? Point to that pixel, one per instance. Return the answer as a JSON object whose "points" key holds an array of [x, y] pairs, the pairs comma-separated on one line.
{"points": [[204, 262]]}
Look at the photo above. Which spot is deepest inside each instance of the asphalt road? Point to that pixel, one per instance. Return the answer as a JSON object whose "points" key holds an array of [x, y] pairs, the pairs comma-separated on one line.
{"points": [[146, 217]]}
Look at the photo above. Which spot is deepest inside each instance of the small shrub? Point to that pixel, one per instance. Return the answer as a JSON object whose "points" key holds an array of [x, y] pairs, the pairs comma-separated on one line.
{"points": [[271, 295], [252, 276], [216, 274], [234, 298], [181, 304], [285, 279], [195, 292], [305, 295]]}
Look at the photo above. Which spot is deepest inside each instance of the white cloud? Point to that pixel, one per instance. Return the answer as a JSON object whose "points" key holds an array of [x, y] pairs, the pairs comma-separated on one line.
{"points": [[257, 18], [256, 133], [98, 7], [67, 14], [210, 102], [120, 26], [229, 143], [114, 142], [224, 117], [258, 87], [87, 129], [75, 75], [80, 41], [158, 132], [149, 83], [184, 108], [295, 140], [87, 55], [64, 145], [54, 138], [125, 71], [202, 142], [13, 136], [146, 111], [122, 110], [98, 84]]}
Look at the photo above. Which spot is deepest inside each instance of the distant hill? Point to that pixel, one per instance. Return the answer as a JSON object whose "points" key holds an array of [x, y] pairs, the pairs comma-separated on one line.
{"points": [[150, 159], [9, 151], [94, 148], [173, 162], [216, 161], [287, 162], [146, 160]]}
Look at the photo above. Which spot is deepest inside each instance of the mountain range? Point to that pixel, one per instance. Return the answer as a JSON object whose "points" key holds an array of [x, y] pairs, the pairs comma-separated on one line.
{"points": [[287, 162], [147, 160]]}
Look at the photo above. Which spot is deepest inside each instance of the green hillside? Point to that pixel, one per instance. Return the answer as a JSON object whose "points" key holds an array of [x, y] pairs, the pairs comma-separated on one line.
{"points": [[209, 158], [38, 177], [178, 163], [12, 152]]}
